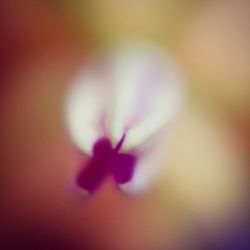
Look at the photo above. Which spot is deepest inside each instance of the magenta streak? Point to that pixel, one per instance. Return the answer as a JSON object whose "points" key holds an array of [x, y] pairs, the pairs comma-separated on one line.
{"points": [[119, 144]]}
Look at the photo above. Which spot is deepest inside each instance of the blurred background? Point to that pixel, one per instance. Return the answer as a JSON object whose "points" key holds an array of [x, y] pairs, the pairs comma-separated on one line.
{"points": [[201, 200]]}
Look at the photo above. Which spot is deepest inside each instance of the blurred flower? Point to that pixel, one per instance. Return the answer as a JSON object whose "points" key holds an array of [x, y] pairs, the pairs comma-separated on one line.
{"points": [[117, 108]]}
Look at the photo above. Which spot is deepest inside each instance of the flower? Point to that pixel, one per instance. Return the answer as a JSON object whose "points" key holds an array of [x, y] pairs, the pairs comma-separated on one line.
{"points": [[116, 110]]}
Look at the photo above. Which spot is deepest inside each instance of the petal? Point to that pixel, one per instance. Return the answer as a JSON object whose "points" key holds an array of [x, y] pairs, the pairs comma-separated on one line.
{"points": [[147, 170], [138, 93], [91, 177], [98, 167], [84, 109], [147, 93], [123, 167], [102, 148]]}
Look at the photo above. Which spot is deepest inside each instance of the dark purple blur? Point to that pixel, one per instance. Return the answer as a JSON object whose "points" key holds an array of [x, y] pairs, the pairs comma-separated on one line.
{"points": [[104, 162]]}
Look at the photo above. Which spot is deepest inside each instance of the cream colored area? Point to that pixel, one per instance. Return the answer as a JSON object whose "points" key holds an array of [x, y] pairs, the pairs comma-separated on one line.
{"points": [[216, 50], [205, 176], [84, 105]]}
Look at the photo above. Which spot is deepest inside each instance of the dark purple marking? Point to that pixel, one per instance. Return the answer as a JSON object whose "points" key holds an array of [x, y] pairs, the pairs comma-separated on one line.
{"points": [[123, 167], [106, 161]]}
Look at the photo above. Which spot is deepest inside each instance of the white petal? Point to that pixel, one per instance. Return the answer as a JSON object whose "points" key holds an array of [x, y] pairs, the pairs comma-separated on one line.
{"points": [[138, 91], [147, 93], [83, 110]]}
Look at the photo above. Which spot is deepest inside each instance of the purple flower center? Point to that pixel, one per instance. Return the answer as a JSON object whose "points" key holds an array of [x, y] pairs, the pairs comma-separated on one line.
{"points": [[104, 162]]}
